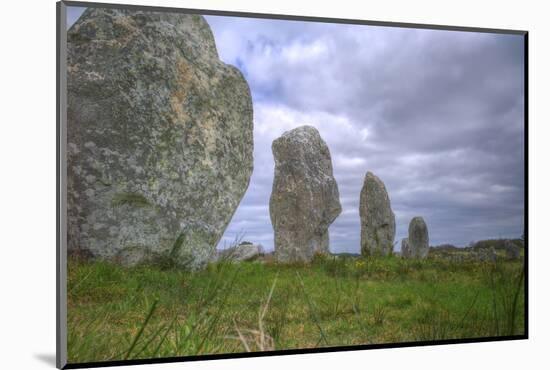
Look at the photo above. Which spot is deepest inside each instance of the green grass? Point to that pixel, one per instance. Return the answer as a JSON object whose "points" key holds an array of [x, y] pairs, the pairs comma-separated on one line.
{"points": [[117, 313], [133, 199]]}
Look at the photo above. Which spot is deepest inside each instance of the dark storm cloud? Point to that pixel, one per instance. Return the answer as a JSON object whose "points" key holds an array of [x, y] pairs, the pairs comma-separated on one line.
{"points": [[437, 115]]}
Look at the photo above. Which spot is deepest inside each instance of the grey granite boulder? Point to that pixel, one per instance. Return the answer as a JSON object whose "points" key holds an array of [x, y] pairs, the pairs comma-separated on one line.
{"points": [[405, 248], [418, 238], [241, 252], [160, 136], [377, 218], [304, 199]]}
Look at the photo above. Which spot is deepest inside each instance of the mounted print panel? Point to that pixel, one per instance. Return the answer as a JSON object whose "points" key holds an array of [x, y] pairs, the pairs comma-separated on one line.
{"points": [[235, 184]]}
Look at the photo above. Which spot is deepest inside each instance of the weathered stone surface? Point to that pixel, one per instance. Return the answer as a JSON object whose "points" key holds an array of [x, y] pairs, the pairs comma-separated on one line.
{"points": [[159, 136], [241, 252], [419, 242], [305, 199], [405, 248], [377, 218]]}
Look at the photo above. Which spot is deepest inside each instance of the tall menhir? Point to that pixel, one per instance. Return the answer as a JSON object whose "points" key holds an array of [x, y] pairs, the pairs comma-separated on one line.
{"points": [[305, 199], [159, 137]]}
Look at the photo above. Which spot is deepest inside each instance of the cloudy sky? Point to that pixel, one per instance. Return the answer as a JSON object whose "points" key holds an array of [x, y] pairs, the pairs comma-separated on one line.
{"points": [[437, 115]]}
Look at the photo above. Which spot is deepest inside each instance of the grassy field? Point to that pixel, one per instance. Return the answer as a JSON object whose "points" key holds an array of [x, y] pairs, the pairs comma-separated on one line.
{"points": [[117, 313]]}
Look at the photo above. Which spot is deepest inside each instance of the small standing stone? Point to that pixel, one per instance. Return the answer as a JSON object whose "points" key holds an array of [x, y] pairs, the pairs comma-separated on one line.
{"points": [[419, 242], [487, 255]]}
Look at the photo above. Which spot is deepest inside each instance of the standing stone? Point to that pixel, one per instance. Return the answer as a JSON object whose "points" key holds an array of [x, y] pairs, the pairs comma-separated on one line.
{"points": [[305, 199], [487, 255], [405, 248], [159, 136], [512, 250], [418, 238], [377, 218]]}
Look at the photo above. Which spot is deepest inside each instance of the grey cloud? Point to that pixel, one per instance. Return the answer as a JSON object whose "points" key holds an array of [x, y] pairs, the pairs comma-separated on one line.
{"points": [[442, 114], [437, 115]]}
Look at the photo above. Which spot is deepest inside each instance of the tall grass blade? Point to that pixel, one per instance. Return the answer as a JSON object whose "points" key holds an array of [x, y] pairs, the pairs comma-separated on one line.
{"points": [[142, 328], [217, 315], [161, 342], [177, 245], [468, 310], [241, 337], [263, 312], [515, 302], [312, 309]]}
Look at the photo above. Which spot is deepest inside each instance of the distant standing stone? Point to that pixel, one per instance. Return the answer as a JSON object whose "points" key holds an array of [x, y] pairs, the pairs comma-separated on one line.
{"points": [[487, 255], [405, 248], [418, 238], [241, 252], [305, 199], [512, 250], [377, 218]]}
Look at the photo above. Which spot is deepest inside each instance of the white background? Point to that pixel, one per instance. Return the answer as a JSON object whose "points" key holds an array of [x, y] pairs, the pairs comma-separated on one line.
{"points": [[27, 182]]}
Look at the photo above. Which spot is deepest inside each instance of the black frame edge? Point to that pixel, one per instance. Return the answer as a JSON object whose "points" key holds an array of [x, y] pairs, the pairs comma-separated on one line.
{"points": [[526, 180], [289, 352]]}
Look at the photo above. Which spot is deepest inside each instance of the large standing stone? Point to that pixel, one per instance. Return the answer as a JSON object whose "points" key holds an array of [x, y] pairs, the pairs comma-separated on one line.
{"points": [[377, 218], [159, 136], [418, 238], [305, 199]]}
